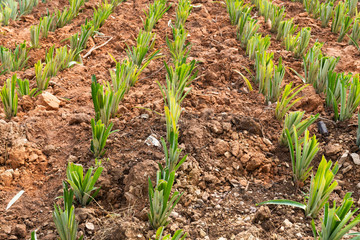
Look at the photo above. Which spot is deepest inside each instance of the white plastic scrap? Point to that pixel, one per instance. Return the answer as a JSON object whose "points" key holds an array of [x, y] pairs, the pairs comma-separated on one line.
{"points": [[14, 199]]}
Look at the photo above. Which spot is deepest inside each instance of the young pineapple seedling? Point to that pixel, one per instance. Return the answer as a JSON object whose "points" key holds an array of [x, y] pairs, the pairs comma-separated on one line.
{"points": [[161, 203], [9, 97], [321, 186], [286, 28], [172, 153], [12, 9], [35, 35], [283, 104], [275, 83], [291, 42], [262, 61], [13, 61], [264, 7], [6, 14], [26, 6], [312, 7], [24, 88], [177, 80], [59, 59], [103, 100], [236, 8], [78, 41], [326, 64], [302, 42], [64, 220], [101, 14], [355, 32], [178, 48], [352, 7], [144, 43], [47, 23], [156, 11], [335, 223], [42, 75], [83, 186], [178, 235], [302, 152], [182, 12], [257, 43], [123, 76], [277, 15], [333, 86], [118, 96], [345, 27], [293, 119], [326, 10], [312, 63], [349, 99], [338, 17], [64, 17], [246, 28], [75, 6], [100, 134]]}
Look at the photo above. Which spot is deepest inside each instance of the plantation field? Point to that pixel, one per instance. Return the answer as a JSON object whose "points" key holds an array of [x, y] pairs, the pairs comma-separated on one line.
{"points": [[230, 133]]}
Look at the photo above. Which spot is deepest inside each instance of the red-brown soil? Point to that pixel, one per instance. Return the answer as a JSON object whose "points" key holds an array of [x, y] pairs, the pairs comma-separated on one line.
{"points": [[231, 136]]}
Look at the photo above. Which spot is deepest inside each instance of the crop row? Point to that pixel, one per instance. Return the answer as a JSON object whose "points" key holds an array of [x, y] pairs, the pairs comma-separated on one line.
{"points": [[106, 98], [57, 59], [12, 9], [344, 17], [303, 148], [178, 79]]}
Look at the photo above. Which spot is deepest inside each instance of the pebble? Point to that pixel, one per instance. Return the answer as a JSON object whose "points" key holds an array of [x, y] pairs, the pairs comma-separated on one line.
{"points": [[20, 230], [202, 233], [299, 235], [355, 157], [332, 149], [343, 157], [90, 226], [151, 140], [247, 219], [348, 168], [288, 223], [49, 101], [144, 116]]}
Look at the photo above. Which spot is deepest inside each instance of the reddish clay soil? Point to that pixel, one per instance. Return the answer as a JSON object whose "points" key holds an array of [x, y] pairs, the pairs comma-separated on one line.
{"points": [[231, 136]]}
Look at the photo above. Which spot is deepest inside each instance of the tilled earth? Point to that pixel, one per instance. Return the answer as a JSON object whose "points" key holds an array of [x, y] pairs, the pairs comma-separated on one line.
{"points": [[231, 136]]}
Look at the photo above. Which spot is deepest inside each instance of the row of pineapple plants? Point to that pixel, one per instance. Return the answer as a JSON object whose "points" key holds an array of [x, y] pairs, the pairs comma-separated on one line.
{"points": [[53, 21], [303, 148], [12, 9], [106, 99], [179, 76], [56, 59], [341, 89], [16, 60], [344, 17], [77, 184]]}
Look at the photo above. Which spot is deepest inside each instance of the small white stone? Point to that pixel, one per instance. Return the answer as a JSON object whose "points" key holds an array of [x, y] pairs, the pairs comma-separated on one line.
{"points": [[151, 140], [355, 157], [90, 226], [247, 219], [288, 223]]}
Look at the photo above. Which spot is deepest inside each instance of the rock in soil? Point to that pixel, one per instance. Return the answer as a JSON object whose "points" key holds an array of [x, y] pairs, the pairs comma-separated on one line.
{"points": [[356, 158], [49, 101]]}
